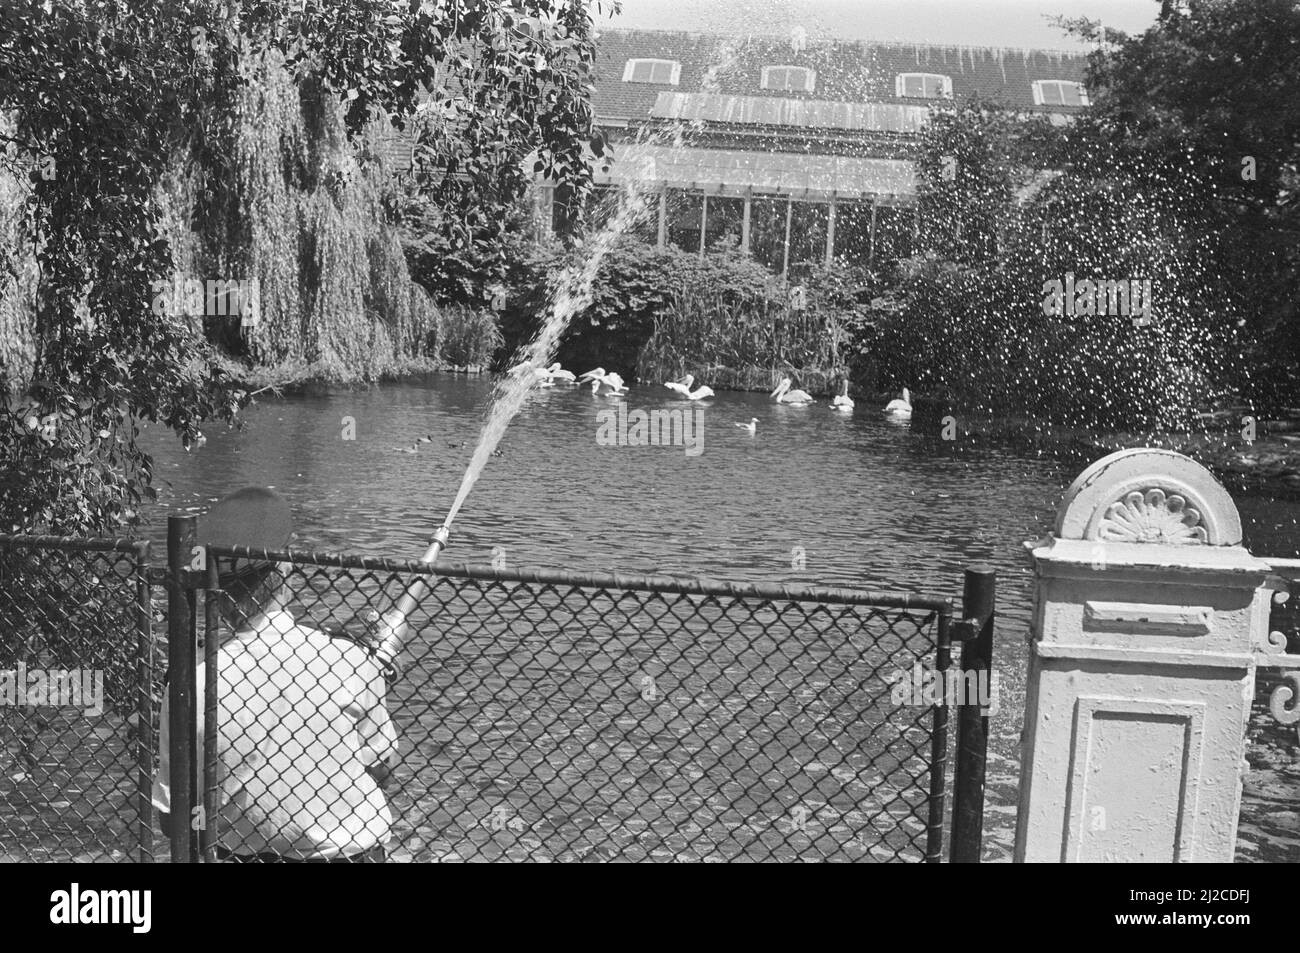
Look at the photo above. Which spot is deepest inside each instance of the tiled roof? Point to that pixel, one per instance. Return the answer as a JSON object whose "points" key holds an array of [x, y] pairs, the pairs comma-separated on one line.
{"points": [[847, 71]]}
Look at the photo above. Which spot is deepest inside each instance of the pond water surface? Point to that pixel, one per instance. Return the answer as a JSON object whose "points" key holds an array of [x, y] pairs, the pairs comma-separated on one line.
{"points": [[812, 497]]}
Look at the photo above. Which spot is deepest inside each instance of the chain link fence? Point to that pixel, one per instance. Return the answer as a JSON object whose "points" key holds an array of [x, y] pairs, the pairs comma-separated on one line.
{"points": [[536, 716], [79, 688], [549, 716]]}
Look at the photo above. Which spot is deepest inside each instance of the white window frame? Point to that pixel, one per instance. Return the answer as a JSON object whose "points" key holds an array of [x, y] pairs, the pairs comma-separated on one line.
{"points": [[809, 75], [900, 85], [1041, 84], [674, 78]]}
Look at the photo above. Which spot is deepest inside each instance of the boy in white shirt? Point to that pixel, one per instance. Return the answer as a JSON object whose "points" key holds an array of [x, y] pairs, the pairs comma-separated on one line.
{"points": [[304, 735]]}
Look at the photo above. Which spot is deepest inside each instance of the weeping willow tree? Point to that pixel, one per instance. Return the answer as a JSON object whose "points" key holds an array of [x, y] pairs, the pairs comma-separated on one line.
{"points": [[309, 224], [18, 275], [272, 159], [232, 140]]}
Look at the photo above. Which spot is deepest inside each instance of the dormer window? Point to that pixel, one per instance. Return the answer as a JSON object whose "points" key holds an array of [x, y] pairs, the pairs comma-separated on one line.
{"points": [[923, 86], [794, 79], [663, 72], [1058, 92]]}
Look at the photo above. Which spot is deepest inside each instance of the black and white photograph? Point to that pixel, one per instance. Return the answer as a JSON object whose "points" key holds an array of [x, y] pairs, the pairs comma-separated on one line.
{"points": [[650, 431]]}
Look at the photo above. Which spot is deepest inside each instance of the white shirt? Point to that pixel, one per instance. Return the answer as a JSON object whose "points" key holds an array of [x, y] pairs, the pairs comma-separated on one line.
{"points": [[300, 717]]}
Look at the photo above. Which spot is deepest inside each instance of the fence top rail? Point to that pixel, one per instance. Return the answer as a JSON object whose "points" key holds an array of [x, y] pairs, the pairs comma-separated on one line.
{"points": [[680, 585], [1283, 567], [139, 547]]}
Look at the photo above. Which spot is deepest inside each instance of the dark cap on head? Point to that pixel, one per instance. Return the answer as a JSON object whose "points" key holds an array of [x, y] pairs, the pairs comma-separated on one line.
{"points": [[254, 517]]}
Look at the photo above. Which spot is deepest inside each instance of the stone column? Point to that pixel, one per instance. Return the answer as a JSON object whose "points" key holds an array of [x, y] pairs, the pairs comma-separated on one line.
{"points": [[789, 217], [661, 238], [830, 232], [1141, 670], [744, 222], [704, 220], [871, 239]]}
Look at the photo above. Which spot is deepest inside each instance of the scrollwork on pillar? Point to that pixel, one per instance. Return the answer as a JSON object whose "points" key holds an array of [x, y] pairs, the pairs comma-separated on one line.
{"points": [[1284, 703], [1271, 650]]}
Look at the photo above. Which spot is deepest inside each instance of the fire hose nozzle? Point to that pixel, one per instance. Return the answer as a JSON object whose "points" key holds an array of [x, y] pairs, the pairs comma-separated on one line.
{"points": [[395, 630]]}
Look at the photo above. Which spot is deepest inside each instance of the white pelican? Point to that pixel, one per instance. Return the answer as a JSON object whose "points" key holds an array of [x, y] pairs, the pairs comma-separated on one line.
{"points": [[558, 373], [900, 408], [704, 390], [610, 385], [541, 375], [682, 385], [843, 401], [784, 395], [752, 426]]}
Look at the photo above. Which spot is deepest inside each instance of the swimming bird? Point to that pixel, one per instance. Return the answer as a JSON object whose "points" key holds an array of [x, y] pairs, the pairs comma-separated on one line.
{"points": [[752, 426], [557, 373], [602, 387], [900, 408], [609, 385], [682, 385], [843, 401], [784, 395], [704, 390], [541, 375], [415, 447]]}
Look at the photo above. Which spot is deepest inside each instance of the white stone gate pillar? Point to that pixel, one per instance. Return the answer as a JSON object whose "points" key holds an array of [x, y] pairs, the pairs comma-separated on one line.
{"points": [[1141, 671]]}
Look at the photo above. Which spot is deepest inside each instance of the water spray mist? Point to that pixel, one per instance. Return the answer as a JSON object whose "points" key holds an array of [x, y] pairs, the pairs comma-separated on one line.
{"points": [[574, 293]]}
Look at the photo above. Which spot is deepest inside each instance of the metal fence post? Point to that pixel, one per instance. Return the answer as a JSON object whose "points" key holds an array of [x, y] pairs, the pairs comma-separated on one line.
{"points": [[143, 556], [978, 604], [211, 627], [181, 533], [939, 744]]}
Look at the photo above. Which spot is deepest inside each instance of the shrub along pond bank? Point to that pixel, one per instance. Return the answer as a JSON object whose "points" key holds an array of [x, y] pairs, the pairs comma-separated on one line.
{"points": [[656, 314]]}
